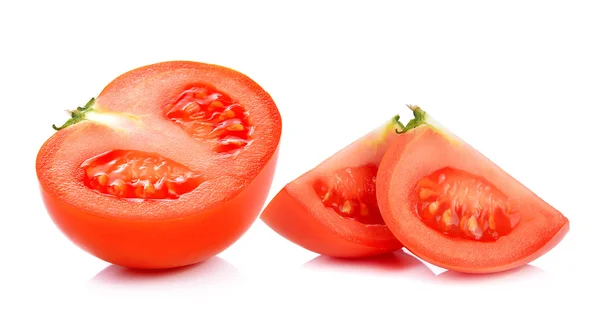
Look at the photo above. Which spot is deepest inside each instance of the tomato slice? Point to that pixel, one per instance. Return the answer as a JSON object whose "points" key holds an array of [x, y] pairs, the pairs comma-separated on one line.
{"points": [[453, 207], [167, 167], [332, 209]]}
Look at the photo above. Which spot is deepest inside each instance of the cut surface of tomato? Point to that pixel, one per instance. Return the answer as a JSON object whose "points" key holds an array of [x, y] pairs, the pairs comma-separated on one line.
{"points": [[453, 207], [167, 167], [332, 208]]}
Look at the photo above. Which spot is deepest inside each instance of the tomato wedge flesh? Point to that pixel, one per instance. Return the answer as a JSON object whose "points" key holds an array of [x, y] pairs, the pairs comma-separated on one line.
{"points": [[424, 153], [332, 208], [351, 193]]}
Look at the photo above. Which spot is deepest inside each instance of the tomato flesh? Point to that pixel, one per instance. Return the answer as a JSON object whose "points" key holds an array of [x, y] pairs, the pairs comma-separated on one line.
{"points": [[460, 204], [207, 113], [351, 193], [130, 183], [138, 175]]}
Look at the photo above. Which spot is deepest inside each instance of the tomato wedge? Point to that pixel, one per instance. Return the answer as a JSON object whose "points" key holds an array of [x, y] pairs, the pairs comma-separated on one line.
{"points": [[332, 209], [168, 166], [453, 207]]}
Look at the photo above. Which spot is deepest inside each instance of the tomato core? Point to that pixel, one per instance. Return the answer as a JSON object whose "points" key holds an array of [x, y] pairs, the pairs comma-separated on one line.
{"points": [[138, 175], [206, 113], [351, 193], [460, 204]]}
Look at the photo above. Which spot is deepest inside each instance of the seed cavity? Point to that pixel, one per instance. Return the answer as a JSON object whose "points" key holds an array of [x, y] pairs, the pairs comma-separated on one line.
{"points": [[460, 204], [350, 192], [207, 113], [138, 175]]}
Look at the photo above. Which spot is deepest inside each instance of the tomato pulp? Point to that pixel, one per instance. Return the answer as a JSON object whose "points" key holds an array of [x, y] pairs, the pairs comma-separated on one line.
{"points": [[332, 209], [168, 166], [453, 207]]}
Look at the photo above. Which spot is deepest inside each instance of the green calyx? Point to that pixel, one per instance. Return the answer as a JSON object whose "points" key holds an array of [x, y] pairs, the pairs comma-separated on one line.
{"points": [[420, 117], [77, 115], [396, 120]]}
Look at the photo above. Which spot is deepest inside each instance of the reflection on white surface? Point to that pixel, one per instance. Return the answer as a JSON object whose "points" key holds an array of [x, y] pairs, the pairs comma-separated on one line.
{"points": [[526, 272], [215, 271], [404, 264], [397, 262]]}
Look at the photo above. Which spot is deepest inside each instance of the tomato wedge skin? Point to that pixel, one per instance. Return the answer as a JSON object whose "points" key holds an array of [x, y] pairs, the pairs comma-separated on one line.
{"points": [[302, 225], [298, 214], [151, 234], [425, 149]]}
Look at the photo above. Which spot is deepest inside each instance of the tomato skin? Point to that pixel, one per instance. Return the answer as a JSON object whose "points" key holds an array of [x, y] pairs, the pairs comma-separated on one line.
{"points": [[425, 149], [298, 213], [161, 244], [304, 229], [156, 234]]}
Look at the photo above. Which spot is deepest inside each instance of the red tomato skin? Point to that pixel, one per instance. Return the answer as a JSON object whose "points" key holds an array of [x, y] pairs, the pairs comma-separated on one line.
{"points": [[297, 213], [160, 244], [425, 149], [313, 234], [151, 234]]}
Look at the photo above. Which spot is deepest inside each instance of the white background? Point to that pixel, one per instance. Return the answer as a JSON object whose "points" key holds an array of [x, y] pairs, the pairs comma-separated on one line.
{"points": [[519, 80]]}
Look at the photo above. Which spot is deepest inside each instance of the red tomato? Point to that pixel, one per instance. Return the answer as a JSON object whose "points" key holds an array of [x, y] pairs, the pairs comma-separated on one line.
{"points": [[453, 207], [332, 209], [167, 167]]}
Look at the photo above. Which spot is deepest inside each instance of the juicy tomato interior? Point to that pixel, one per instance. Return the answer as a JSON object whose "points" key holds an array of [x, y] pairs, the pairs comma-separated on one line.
{"points": [[138, 175], [460, 204], [206, 113], [351, 193]]}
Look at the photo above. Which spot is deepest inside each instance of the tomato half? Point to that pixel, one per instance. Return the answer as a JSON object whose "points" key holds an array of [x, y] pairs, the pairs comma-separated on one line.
{"points": [[332, 209], [453, 207], [169, 165]]}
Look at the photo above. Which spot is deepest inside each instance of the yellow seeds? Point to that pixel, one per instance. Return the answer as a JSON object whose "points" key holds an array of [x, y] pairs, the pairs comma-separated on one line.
{"points": [[426, 194], [474, 227], [472, 223], [215, 104], [433, 208], [448, 219], [117, 188], [102, 180], [235, 127], [149, 188], [427, 183], [327, 196], [346, 207], [227, 114], [191, 108]]}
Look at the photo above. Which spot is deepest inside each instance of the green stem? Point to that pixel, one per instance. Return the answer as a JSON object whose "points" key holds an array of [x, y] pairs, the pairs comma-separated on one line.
{"points": [[397, 120], [420, 117], [77, 115]]}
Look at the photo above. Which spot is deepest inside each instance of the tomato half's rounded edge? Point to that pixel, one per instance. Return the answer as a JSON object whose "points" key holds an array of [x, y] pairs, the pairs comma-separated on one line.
{"points": [[167, 167]]}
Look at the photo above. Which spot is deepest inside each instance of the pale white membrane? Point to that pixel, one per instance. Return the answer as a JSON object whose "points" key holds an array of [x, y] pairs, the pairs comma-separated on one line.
{"points": [[114, 120]]}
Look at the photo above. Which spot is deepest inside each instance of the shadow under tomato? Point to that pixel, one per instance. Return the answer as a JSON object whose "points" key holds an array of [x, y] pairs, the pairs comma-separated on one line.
{"points": [[395, 262], [526, 272], [212, 271]]}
